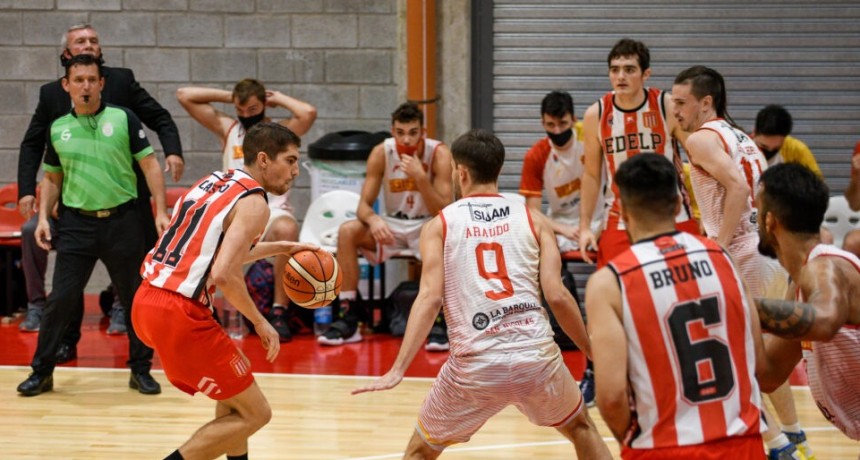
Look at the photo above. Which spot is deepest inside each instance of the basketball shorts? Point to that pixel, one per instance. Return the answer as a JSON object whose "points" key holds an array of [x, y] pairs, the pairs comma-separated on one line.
{"points": [[197, 355], [469, 390], [736, 448], [406, 235], [614, 241], [761, 274]]}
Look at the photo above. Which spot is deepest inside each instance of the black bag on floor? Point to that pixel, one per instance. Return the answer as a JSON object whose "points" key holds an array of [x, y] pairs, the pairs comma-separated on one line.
{"points": [[564, 342], [399, 306]]}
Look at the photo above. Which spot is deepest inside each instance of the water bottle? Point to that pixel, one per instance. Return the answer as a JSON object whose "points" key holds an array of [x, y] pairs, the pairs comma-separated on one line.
{"points": [[233, 321], [322, 319]]}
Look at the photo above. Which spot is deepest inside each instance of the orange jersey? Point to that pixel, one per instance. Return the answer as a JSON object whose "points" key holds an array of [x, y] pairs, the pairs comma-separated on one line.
{"points": [[183, 256], [691, 355], [624, 133]]}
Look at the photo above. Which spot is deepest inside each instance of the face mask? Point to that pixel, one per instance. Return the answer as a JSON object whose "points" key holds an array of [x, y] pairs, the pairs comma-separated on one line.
{"points": [[248, 122], [406, 149], [768, 153], [561, 138]]}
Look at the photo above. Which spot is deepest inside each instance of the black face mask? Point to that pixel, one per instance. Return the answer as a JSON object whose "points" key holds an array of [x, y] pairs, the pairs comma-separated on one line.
{"points": [[247, 122], [560, 139], [768, 153]]}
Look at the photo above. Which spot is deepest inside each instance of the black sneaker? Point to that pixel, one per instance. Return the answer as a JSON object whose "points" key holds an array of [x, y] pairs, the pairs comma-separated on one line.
{"points": [[280, 321], [339, 333], [438, 338], [586, 386]]}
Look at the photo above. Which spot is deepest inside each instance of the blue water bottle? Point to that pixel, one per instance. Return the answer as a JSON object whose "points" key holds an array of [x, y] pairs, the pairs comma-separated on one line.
{"points": [[322, 319]]}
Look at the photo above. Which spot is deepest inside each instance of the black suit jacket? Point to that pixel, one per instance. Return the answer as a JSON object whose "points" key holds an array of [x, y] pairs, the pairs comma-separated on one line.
{"points": [[120, 89]]}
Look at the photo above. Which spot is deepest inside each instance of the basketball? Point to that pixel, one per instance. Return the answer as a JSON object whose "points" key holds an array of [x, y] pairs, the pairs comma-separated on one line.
{"points": [[312, 278]]}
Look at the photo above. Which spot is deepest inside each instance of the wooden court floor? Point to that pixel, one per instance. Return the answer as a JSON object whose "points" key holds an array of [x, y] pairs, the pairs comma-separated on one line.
{"points": [[93, 415]]}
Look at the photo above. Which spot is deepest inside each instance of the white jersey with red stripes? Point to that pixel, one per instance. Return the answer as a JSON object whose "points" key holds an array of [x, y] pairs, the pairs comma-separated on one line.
{"points": [[624, 133], [491, 262], [401, 198], [234, 158], [833, 367], [183, 256], [691, 355], [711, 195]]}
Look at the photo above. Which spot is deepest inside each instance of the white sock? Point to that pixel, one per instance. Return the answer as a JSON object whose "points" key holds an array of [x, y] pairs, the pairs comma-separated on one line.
{"points": [[778, 442], [347, 295], [793, 428]]}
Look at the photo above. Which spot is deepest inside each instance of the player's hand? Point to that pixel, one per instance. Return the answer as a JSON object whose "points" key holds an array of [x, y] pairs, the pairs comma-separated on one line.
{"points": [[292, 247], [175, 165], [43, 234], [269, 339], [270, 98], [587, 242], [161, 222], [380, 231], [27, 206], [388, 381], [570, 232], [412, 166]]}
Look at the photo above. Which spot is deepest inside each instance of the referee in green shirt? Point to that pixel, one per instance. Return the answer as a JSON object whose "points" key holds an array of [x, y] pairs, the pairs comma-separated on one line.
{"points": [[89, 158]]}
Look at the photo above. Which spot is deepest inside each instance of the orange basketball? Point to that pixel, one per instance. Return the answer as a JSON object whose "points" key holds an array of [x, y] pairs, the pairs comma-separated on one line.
{"points": [[312, 278]]}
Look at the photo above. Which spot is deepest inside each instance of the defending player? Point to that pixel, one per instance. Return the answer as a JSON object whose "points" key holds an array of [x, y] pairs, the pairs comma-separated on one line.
{"points": [[486, 258]]}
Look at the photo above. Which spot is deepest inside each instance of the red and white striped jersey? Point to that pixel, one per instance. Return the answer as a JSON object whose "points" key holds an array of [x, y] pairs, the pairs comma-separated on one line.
{"points": [[491, 261], [833, 367], [183, 256], [401, 197], [691, 355], [624, 133], [711, 195]]}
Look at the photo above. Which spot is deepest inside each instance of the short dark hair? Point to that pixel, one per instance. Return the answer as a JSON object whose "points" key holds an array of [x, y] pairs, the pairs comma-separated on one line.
{"points": [[83, 59], [248, 87], [649, 185], [705, 81], [628, 47], [269, 137], [407, 112], [557, 104], [773, 120], [795, 195], [481, 153]]}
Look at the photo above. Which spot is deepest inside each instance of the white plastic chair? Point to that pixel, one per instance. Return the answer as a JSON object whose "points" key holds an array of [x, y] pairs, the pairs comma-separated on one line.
{"points": [[324, 217], [840, 219]]}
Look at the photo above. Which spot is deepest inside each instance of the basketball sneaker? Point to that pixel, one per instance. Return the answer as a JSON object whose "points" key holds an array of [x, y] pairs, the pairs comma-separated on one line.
{"points": [[279, 320], [117, 321], [586, 387], [786, 452], [32, 320], [799, 440], [438, 338], [344, 330]]}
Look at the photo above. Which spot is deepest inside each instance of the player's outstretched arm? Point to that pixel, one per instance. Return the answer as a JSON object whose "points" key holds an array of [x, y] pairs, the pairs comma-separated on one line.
{"points": [[373, 178], [245, 222], [609, 343], [424, 310], [266, 249]]}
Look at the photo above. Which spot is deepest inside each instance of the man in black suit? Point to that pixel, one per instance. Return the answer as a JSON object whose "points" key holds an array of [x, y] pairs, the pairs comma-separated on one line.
{"points": [[120, 89]]}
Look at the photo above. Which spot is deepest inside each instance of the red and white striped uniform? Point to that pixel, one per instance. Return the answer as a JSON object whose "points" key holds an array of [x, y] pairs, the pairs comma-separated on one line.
{"points": [[691, 355], [624, 133], [183, 256], [502, 351], [833, 367], [757, 270], [401, 198]]}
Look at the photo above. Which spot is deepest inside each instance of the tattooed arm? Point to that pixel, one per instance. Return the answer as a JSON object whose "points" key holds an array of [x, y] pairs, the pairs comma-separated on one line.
{"points": [[819, 318]]}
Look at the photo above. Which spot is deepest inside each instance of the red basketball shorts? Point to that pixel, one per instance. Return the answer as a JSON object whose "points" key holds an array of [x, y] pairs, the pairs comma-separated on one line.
{"points": [[614, 241], [196, 353]]}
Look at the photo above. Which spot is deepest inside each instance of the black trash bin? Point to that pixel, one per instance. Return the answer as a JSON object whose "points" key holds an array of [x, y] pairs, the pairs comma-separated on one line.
{"points": [[338, 160]]}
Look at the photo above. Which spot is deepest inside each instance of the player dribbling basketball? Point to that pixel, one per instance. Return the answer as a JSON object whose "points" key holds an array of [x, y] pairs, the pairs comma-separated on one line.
{"points": [[215, 223]]}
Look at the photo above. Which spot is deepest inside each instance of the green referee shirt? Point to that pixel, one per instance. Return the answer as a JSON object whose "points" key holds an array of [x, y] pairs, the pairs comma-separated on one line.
{"points": [[95, 153]]}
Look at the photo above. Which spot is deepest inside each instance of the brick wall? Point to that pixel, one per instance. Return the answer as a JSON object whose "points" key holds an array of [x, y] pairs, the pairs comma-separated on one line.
{"points": [[339, 55]]}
